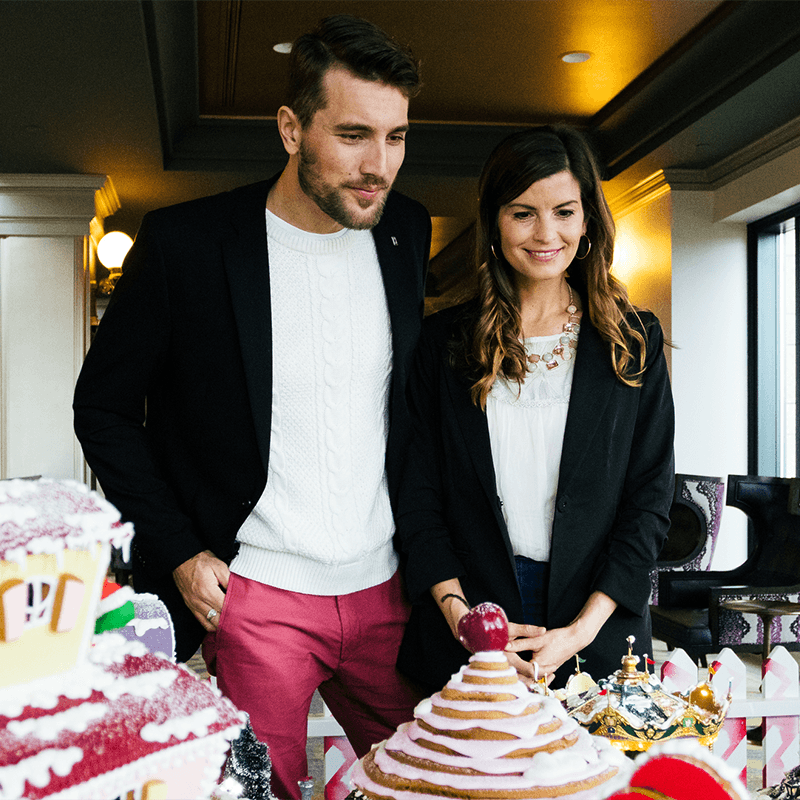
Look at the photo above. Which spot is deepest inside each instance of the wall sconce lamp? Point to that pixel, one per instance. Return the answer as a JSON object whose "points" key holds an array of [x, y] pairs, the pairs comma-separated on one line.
{"points": [[111, 252]]}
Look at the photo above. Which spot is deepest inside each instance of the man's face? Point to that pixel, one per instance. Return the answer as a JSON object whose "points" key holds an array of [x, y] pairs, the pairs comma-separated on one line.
{"points": [[351, 150]]}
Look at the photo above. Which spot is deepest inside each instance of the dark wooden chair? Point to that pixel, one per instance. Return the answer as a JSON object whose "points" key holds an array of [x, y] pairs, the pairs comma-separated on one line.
{"points": [[695, 517], [704, 611]]}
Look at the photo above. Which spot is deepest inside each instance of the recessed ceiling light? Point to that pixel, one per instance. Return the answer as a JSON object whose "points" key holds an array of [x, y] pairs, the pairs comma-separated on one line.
{"points": [[576, 57], [283, 47]]}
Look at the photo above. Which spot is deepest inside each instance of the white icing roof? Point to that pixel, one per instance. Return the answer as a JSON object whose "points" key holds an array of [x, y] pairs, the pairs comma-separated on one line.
{"points": [[122, 706], [48, 516]]}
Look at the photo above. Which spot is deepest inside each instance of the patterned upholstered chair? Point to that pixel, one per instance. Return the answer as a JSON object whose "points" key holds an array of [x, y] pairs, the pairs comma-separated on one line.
{"points": [[695, 517], [702, 611]]}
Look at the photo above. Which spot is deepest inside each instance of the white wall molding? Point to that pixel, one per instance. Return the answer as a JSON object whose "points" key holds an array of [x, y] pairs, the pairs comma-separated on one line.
{"points": [[54, 205], [46, 225], [640, 195]]}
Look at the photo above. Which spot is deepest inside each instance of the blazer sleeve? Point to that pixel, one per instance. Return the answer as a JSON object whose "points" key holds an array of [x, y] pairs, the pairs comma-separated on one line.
{"points": [[422, 531], [642, 519], [126, 360]]}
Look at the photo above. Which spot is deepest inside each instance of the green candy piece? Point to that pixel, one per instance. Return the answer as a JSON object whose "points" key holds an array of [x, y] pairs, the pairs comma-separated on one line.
{"points": [[117, 618]]}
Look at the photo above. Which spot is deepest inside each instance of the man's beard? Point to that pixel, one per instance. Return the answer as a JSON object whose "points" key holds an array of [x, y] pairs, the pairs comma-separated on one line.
{"points": [[331, 199]]}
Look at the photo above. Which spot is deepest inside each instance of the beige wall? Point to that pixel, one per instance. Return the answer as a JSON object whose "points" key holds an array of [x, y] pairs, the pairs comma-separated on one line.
{"points": [[691, 269], [643, 258]]}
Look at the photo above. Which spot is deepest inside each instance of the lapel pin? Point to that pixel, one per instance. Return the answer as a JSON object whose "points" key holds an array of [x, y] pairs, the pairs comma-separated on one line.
{"points": [[394, 241]]}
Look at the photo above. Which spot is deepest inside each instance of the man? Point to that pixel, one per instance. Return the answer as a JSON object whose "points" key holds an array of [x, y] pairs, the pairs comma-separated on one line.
{"points": [[271, 359]]}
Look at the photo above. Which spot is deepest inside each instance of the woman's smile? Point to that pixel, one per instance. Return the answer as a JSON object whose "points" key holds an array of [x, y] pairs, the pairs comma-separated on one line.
{"points": [[540, 230]]}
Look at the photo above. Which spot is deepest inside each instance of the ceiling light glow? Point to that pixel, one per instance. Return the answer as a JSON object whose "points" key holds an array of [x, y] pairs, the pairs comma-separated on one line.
{"points": [[576, 57], [283, 47]]}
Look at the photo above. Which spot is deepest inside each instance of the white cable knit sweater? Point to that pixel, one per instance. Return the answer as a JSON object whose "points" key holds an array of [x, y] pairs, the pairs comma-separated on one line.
{"points": [[324, 524]]}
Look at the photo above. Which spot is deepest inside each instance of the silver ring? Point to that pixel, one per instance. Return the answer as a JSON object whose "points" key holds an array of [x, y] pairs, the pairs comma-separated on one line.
{"points": [[212, 612]]}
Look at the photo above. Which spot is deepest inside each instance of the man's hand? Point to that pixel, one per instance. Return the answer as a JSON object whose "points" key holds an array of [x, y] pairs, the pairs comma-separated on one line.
{"points": [[202, 581]]}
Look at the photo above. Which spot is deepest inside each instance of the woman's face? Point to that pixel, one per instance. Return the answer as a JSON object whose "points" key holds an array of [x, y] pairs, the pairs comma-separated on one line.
{"points": [[540, 230]]}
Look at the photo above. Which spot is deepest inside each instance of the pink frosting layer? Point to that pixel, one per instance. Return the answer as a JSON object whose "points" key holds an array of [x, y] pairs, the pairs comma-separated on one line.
{"points": [[583, 757]]}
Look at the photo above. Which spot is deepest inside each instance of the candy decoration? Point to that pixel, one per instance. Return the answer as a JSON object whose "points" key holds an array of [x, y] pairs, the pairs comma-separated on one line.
{"points": [[678, 673], [116, 608], [729, 673], [484, 628], [681, 772], [780, 740], [340, 758]]}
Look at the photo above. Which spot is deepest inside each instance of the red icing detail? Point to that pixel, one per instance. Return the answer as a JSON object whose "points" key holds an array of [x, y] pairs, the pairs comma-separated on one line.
{"points": [[678, 779], [109, 587], [484, 627], [114, 740]]}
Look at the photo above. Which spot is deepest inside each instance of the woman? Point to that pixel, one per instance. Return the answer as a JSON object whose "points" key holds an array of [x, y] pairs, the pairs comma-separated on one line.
{"points": [[541, 473]]}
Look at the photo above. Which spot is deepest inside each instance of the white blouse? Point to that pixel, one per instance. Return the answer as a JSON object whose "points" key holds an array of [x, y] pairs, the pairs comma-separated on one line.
{"points": [[526, 430]]}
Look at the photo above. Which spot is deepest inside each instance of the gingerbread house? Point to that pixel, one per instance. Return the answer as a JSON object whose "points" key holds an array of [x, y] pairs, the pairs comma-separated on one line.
{"points": [[84, 716]]}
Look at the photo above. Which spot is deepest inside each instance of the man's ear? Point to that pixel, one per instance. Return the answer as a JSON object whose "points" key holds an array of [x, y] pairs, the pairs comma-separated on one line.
{"points": [[290, 130]]}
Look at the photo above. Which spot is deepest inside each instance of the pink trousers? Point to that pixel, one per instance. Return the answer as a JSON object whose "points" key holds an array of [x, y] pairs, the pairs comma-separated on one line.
{"points": [[273, 648]]}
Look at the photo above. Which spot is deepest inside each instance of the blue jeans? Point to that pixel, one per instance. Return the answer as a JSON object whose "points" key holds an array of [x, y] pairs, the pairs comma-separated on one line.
{"points": [[533, 578]]}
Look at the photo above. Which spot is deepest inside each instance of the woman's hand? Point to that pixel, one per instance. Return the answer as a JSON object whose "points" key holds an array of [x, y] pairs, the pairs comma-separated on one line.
{"points": [[523, 638], [552, 648], [451, 601]]}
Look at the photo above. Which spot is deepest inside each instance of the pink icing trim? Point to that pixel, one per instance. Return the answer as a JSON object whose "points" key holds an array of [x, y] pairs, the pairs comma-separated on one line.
{"points": [[570, 772], [72, 591], [14, 603]]}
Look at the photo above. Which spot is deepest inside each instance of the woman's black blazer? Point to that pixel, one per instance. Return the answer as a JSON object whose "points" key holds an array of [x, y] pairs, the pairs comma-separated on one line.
{"points": [[611, 517]]}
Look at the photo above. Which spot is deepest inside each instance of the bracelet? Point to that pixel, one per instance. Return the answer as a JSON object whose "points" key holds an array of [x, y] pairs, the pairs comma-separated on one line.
{"points": [[455, 596]]}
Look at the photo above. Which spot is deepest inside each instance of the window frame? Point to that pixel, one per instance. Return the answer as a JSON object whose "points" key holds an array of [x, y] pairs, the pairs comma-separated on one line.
{"points": [[763, 362]]}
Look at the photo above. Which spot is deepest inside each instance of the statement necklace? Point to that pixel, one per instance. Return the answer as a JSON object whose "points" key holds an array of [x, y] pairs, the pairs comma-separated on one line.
{"points": [[567, 342]]}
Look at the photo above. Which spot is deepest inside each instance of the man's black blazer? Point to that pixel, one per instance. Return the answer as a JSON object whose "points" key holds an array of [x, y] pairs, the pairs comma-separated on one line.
{"points": [[612, 503], [173, 404]]}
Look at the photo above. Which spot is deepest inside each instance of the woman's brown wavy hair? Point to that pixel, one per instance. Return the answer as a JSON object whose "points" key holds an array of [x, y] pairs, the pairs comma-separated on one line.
{"points": [[489, 344]]}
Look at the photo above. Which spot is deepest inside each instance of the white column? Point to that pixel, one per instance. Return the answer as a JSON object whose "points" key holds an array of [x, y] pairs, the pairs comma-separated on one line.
{"points": [[709, 366], [45, 249]]}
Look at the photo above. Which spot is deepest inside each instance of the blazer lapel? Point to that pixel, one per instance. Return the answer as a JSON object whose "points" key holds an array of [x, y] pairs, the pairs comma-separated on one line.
{"points": [[592, 384], [400, 277], [244, 253]]}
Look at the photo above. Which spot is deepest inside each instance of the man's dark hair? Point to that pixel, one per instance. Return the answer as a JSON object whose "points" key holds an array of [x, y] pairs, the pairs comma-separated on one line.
{"points": [[351, 42]]}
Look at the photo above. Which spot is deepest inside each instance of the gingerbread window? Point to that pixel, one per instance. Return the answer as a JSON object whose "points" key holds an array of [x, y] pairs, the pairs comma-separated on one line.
{"points": [[40, 600]]}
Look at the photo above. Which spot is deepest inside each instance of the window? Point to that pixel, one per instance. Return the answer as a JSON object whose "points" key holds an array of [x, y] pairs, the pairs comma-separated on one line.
{"points": [[40, 600], [773, 336]]}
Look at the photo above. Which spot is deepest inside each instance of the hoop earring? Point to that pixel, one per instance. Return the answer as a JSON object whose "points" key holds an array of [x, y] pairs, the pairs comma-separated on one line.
{"points": [[491, 247], [588, 249]]}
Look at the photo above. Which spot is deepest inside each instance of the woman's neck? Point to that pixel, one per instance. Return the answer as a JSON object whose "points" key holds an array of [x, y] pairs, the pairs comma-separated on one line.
{"points": [[543, 307]]}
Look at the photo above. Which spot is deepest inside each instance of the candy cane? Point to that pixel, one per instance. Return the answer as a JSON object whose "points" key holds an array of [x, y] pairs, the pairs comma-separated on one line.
{"points": [[729, 674], [781, 734]]}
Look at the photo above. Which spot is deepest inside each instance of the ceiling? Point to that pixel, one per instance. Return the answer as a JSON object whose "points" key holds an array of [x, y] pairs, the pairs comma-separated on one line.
{"points": [[175, 99]]}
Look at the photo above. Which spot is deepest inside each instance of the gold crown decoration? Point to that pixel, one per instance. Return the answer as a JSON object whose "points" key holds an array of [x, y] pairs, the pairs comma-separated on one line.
{"points": [[633, 712]]}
